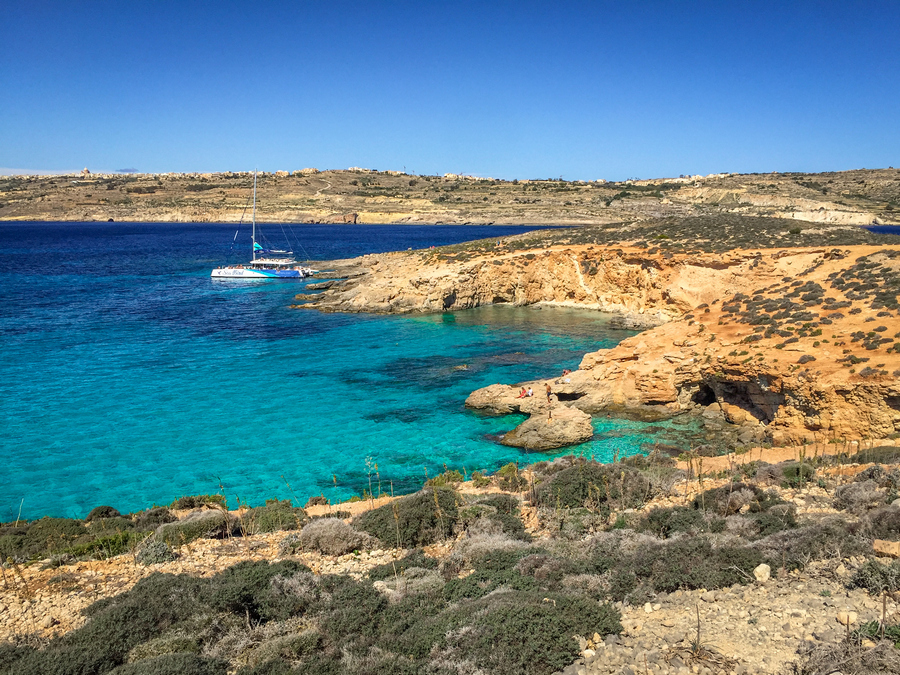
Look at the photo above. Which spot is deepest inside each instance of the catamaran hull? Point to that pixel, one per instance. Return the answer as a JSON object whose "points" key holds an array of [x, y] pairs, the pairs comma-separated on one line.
{"points": [[237, 273]]}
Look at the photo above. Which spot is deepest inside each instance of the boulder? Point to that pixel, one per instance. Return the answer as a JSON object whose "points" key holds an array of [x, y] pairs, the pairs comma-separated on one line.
{"points": [[551, 428], [762, 573], [889, 549], [847, 618], [500, 399]]}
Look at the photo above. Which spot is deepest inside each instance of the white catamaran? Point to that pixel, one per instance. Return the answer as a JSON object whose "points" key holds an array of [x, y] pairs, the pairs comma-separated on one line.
{"points": [[266, 263]]}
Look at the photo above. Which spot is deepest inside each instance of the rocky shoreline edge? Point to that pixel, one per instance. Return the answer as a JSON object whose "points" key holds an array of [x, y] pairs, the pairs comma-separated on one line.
{"points": [[787, 339]]}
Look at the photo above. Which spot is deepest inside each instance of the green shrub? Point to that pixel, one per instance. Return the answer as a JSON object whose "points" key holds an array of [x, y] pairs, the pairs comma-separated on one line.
{"points": [[415, 625], [859, 497], [829, 538], [883, 454], [873, 631], [196, 501], [107, 547], [209, 524], [877, 578], [416, 520], [153, 518], [171, 643], [416, 558], [692, 563], [353, 609], [663, 522], [527, 633], [779, 517], [279, 667], [729, 499], [173, 664], [246, 589], [153, 552], [499, 559], [449, 477], [548, 570], [796, 474], [107, 526], [884, 478], [10, 655], [273, 517], [509, 478], [116, 625], [481, 582], [572, 524], [884, 523], [500, 509], [41, 538], [598, 487], [102, 512], [479, 479], [503, 503]]}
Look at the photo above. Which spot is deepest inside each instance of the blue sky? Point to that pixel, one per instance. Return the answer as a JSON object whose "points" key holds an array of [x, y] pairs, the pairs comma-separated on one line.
{"points": [[581, 90]]}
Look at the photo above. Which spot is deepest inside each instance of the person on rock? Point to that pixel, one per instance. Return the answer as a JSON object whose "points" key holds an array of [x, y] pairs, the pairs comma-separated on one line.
{"points": [[549, 392]]}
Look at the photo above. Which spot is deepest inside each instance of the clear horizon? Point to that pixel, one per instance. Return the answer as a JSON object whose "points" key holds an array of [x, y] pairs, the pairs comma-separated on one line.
{"points": [[583, 91], [74, 172]]}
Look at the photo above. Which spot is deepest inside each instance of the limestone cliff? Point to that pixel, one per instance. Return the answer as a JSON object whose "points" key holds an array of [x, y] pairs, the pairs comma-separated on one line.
{"points": [[631, 283], [789, 344]]}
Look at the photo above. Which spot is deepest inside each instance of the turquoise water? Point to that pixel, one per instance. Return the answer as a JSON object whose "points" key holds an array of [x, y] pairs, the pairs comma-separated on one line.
{"points": [[130, 378]]}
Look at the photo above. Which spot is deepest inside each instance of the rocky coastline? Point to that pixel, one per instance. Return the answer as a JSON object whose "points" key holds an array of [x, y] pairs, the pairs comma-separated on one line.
{"points": [[787, 342]]}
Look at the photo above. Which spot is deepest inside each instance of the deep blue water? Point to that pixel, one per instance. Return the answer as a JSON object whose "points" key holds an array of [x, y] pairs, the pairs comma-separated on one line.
{"points": [[884, 229], [129, 377]]}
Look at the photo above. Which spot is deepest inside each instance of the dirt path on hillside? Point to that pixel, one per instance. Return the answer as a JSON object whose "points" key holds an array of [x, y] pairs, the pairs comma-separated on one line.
{"points": [[711, 465]]}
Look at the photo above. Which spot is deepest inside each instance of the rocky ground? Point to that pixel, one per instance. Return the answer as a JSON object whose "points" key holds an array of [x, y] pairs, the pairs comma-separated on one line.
{"points": [[858, 197], [47, 601], [757, 628], [760, 626], [743, 629]]}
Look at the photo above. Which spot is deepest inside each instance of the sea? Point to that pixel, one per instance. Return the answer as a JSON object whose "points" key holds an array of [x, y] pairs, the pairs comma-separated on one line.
{"points": [[129, 377]]}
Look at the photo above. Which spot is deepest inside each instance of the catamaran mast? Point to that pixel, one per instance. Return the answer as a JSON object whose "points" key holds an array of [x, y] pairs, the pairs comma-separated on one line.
{"points": [[254, 214]]}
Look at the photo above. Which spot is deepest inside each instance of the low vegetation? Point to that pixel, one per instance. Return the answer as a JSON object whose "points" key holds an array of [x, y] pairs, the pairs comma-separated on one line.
{"points": [[498, 598]]}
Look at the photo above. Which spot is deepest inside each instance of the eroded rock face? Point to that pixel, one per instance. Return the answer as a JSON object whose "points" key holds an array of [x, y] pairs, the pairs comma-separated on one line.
{"points": [[754, 333], [553, 427], [635, 286]]}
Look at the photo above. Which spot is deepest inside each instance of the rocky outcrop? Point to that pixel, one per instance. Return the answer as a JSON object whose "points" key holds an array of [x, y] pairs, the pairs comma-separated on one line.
{"points": [[751, 336], [787, 386], [554, 427], [643, 289]]}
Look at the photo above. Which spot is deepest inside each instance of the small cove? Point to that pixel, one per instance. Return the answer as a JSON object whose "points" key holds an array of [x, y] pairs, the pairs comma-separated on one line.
{"points": [[130, 378]]}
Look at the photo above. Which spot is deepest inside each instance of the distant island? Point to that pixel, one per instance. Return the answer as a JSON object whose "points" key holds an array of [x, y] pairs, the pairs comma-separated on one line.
{"points": [[858, 197]]}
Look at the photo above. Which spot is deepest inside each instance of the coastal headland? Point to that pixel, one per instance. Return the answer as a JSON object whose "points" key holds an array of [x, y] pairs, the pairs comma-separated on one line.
{"points": [[782, 334]]}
